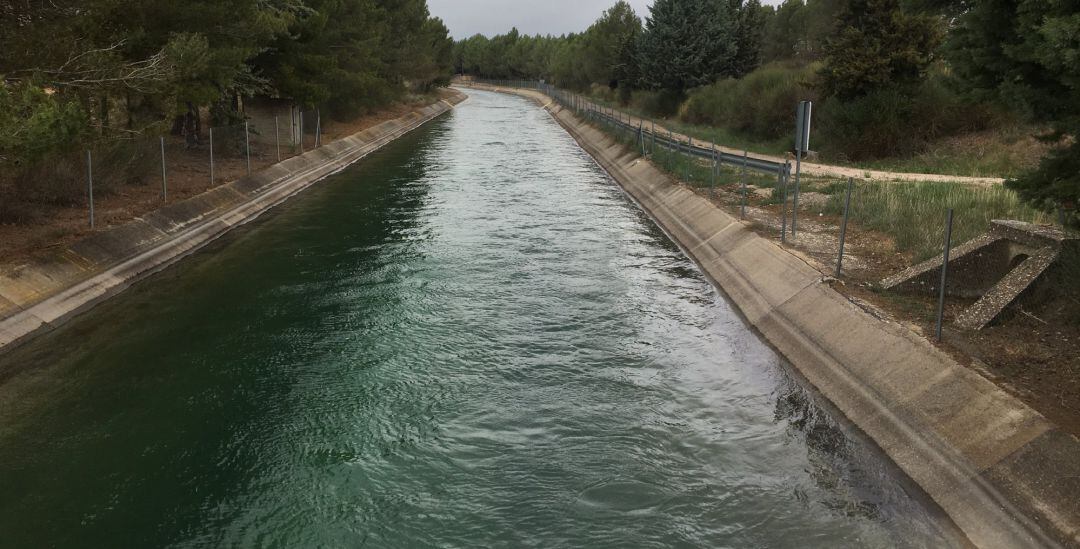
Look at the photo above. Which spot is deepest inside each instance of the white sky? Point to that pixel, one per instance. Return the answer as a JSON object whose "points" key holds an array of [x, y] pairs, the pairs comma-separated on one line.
{"points": [[468, 17]]}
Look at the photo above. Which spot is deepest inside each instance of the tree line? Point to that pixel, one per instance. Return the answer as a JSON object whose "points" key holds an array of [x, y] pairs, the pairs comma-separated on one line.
{"points": [[891, 74], [74, 71]]}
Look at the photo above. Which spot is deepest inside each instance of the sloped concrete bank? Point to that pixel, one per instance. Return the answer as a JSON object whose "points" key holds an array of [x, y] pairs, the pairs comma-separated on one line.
{"points": [[1005, 475], [38, 296]]}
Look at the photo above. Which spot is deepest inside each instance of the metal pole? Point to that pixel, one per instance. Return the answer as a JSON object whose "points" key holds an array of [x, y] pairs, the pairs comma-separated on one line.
{"points": [[742, 177], [164, 181], [715, 163], [843, 225], [277, 138], [211, 157], [652, 149], [783, 204], [247, 145], [795, 206], [318, 128], [689, 157], [944, 272], [90, 184], [301, 132]]}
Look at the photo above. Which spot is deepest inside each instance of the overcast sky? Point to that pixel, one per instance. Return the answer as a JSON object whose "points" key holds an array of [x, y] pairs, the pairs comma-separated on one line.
{"points": [[468, 17]]}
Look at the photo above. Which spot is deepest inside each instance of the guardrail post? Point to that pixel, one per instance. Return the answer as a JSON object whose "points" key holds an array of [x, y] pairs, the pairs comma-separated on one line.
{"points": [[742, 209], [843, 225], [944, 272], [90, 184]]}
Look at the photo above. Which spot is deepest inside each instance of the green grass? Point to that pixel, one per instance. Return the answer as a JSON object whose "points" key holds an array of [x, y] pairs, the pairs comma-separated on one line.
{"points": [[914, 213]]}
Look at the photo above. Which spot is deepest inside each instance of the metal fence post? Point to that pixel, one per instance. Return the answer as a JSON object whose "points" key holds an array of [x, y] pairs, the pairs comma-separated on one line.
{"points": [[211, 157], [164, 181], [247, 146], [301, 132], [277, 138], [318, 128], [944, 272], [90, 184], [742, 177], [785, 175], [641, 137], [689, 157], [652, 149], [843, 225], [715, 165], [795, 203]]}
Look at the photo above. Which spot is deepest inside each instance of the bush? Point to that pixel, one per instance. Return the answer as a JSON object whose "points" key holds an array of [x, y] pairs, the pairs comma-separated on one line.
{"points": [[760, 105], [657, 103], [896, 122]]}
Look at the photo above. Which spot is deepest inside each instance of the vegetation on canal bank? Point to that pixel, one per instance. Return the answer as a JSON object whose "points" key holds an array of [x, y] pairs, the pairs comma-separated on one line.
{"points": [[109, 74], [951, 86]]}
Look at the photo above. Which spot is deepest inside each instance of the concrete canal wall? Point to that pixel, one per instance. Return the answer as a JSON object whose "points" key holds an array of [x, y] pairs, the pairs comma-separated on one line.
{"points": [[1004, 474], [37, 296]]}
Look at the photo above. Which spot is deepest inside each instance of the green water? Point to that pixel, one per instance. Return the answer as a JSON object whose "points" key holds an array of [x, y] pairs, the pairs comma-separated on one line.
{"points": [[470, 339]]}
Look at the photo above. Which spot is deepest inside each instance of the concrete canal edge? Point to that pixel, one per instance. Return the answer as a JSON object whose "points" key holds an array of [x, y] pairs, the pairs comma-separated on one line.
{"points": [[38, 296], [1004, 474]]}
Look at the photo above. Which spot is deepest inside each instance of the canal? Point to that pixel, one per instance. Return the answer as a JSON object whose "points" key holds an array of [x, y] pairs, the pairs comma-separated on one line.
{"points": [[472, 338]]}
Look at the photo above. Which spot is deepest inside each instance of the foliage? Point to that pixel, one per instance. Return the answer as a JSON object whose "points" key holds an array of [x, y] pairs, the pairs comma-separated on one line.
{"points": [[35, 124], [897, 121], [1026, 53], [758, 105], [106, 70], [686, 44], [878, 45], [798, 30]]}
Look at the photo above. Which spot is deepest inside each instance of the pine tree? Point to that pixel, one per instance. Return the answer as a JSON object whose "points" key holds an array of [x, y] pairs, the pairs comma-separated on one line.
{"points": [[878, 45], [1027, 53], [686, 43]]}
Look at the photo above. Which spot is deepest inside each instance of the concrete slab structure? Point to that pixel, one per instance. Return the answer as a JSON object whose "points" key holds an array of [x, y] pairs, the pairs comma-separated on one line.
{"points": [[999, 268], [1005, 475]]}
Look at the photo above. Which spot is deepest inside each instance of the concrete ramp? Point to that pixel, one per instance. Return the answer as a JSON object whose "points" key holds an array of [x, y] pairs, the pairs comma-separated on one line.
{"points": [[1000, 268]]}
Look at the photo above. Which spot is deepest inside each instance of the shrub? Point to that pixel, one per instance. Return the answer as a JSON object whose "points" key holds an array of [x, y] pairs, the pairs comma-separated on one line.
{"points": [[760, 105], [897, 121]]}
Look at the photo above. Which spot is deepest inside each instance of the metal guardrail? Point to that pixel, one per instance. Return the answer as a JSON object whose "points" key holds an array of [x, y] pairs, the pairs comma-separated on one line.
{"points": [[608, 116]]}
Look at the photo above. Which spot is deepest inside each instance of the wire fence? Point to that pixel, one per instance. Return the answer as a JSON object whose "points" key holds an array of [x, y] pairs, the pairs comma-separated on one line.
{"points": [[195, 159], [925, 218]]}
